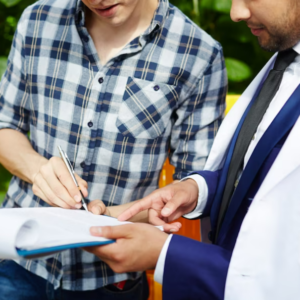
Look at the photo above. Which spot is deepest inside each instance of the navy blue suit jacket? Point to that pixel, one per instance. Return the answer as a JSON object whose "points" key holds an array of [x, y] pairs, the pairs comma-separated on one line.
{"points": [[195, 270]]}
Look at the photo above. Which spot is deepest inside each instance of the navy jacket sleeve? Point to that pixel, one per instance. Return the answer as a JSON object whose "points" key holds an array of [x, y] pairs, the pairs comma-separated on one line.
{"points": [[194, 270], [211, 179]]}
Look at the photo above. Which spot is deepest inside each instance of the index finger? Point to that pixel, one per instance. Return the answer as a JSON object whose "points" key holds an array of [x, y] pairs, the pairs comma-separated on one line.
{"points": [[137, 207]]}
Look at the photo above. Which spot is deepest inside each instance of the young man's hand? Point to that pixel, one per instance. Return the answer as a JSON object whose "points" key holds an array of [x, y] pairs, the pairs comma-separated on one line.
{"points": [[137, 246], [53, 184], [166, 204]]}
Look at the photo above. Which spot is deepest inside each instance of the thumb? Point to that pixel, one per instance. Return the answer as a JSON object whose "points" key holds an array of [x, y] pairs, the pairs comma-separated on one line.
{"points": [[97, 207], [111, 232]]}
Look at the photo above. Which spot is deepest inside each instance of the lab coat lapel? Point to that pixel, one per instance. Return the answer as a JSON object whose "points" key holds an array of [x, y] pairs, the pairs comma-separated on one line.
{"points": [[287, 161], [283, 122], [222, 141]]}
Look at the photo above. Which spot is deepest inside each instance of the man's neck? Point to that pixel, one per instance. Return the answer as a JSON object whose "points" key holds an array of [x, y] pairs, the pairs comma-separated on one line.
{"points": [[110, 39], [139, 21]]}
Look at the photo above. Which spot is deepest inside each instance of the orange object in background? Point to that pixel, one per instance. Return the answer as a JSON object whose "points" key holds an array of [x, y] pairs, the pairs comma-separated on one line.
{"points": [[190, 228]]}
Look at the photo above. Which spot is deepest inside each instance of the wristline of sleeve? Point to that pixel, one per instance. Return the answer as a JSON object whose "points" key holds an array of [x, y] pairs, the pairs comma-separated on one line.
{"points": [[211, 179]]}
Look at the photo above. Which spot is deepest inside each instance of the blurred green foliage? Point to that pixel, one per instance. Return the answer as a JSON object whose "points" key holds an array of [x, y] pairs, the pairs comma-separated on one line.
{"points": [[243, 56]]}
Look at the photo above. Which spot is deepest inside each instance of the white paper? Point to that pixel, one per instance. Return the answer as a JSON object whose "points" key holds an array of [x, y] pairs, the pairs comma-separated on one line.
{"points": [[10, 225], [36, 228]]}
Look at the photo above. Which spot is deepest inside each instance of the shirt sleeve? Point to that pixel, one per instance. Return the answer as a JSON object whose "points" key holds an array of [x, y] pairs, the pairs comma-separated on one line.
{"points": [[159, 270], [195, 270], [202, 196], [198, 118], [14, 98], [212, 261]]}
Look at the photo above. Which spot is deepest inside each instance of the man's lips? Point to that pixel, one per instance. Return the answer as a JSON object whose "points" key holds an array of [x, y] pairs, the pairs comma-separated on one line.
{"points": [[107, 11], [256, 30]]}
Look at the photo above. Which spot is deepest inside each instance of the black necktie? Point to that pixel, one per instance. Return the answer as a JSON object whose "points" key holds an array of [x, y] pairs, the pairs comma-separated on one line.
{"points": [[249, 127]]}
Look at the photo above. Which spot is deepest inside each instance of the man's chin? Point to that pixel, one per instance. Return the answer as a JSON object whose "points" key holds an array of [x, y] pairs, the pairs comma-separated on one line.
{"points": [[276, 44], [268, 45]]}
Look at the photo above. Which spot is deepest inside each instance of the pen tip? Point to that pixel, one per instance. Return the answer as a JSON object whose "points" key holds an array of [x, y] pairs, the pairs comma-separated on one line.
{"points": [[85, 206]]}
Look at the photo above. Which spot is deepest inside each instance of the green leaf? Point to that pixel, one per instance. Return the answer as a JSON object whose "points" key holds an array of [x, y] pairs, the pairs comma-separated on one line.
{"points": [[10, 3], [3, 62], [237, 70]]}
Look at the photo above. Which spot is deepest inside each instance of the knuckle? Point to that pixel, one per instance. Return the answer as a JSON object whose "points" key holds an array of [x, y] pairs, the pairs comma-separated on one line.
{"points": [[102, 205], [108, 231], [62, 177], [54, 159], [118, 257], [44, 171]]}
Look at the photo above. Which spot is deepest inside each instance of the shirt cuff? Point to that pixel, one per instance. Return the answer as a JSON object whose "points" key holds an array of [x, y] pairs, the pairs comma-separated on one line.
{"points": [[202, 196], [159, 270]]}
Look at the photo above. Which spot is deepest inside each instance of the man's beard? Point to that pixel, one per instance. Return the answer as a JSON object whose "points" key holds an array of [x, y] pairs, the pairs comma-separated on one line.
{"points": [[281, 38]]}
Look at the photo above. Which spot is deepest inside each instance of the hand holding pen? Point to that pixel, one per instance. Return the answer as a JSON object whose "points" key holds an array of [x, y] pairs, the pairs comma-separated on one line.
{"points": [[67, 162], [54, 185]]}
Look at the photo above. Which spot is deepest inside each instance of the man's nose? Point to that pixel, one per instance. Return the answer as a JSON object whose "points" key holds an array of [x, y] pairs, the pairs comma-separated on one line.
{"points": [[239, 11]]}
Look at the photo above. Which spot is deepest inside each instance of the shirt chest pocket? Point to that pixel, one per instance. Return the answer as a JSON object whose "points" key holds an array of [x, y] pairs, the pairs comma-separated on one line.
{"points": [[146, 108]]}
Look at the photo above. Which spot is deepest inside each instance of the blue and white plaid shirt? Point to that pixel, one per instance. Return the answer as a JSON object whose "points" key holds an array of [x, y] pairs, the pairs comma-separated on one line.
{"points": [[163, 94]]}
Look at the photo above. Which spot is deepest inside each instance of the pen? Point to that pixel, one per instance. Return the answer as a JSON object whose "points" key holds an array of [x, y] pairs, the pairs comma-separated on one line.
{"points": [[66, 160]]}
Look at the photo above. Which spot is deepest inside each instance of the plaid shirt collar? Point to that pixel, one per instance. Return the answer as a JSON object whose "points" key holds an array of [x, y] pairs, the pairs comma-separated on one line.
{"points": [[158, 20]]}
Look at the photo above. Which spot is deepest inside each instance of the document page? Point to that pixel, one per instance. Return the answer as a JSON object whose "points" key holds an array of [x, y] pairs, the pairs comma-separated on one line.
{"points": [[36, 228], [62, 227]]}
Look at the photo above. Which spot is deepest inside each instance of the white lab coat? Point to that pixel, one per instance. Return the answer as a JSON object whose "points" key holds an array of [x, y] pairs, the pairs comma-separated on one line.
{"points": [[265, 264]]}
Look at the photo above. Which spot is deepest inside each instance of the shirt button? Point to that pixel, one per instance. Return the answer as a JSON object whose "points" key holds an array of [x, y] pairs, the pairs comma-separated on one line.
{"points": [[85, 38], [90, 124], [100, 80], [156, 88], [82, 165]]}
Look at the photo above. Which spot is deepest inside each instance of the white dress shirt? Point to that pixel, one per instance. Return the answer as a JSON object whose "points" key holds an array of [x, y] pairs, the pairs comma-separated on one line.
{"points": [[290, 81]]}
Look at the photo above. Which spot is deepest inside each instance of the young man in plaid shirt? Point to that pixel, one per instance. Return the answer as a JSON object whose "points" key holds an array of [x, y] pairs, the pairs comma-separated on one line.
{"points": [[119, 85]]}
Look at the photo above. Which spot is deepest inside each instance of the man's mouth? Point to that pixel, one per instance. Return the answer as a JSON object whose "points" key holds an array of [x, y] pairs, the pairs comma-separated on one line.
{"points": [[256, 31], [107, 11]]}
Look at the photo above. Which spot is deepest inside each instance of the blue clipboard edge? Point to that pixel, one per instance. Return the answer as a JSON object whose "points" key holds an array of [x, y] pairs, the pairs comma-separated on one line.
{"points": [[49, 250]]}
